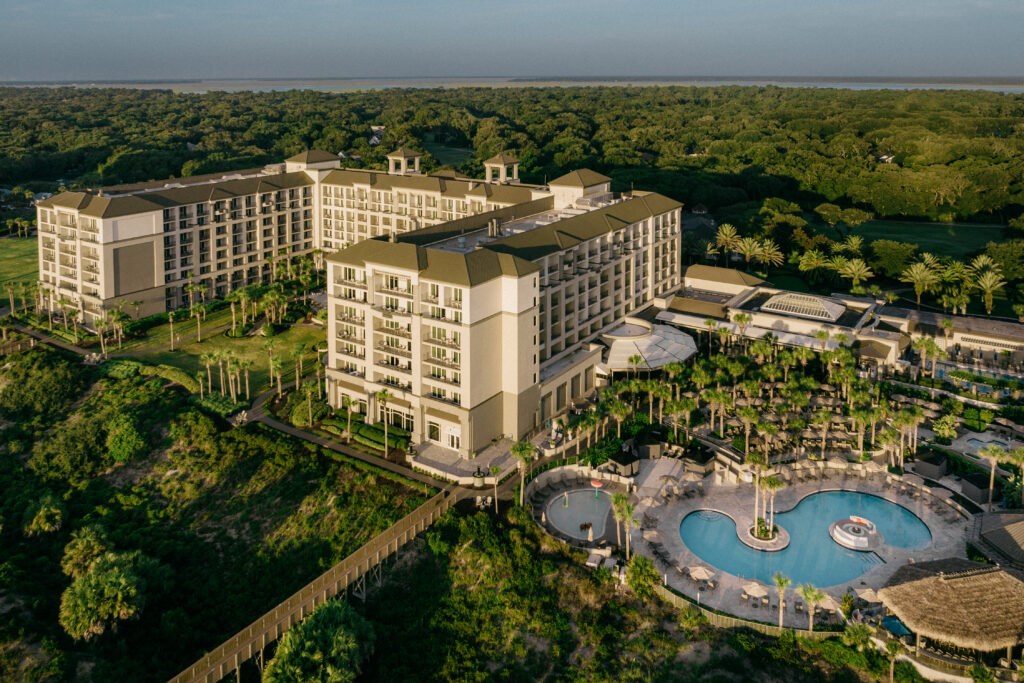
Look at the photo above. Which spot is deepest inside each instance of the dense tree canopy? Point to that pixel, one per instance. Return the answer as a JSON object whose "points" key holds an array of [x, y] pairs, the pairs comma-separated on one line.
{"points": [[955, 154], [328, 646]]}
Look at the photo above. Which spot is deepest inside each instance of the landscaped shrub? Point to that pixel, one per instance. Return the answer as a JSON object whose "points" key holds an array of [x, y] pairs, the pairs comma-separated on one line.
{"points": [[120, 369], [377, 437], [171, 374], [217, 404]]}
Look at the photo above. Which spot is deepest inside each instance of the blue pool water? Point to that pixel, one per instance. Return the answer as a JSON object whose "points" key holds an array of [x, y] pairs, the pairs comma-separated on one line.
{"points": [[812, 556], [567, 511], [977, 443]]}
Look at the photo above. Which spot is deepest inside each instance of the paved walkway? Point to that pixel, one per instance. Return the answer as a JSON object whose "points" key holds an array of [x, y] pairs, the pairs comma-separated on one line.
{"points": [[948, 538], [52, 341]]}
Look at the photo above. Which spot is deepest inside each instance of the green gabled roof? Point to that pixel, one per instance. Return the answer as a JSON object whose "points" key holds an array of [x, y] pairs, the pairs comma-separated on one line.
{"points": [[91, 204], [554, 237], [453, 188], [502, 159], [405, 153], [439, 265], [581, 178], [312, 156]]}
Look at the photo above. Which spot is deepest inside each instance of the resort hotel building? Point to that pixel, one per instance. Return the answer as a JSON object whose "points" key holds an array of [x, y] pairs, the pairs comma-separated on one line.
{"points": [[486, 326], [146, 242]]}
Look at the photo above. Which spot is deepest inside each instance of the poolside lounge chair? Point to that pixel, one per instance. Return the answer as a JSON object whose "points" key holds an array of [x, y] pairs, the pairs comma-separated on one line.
{"points": [[711, 585], [765, 601], [744, 597], [799, 607], [700, 489]]}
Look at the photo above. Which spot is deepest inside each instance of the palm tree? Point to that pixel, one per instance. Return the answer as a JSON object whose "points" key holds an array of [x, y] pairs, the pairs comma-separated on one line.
{"points": [[170, 321], [892, 649], [771, 486], [199, 381], [813, 597], [276, 367], [618, 409], [748, 416], [769, 254], [742, 320], [346, 403], [748, 247], [673, 370], [822, 336], [196, 311], [634, 362], [727, 237], [856, 271], [208, 359], [523, 450], [686, 406], [619, 502], [861, 418], [232, 369], [989, 282], [711, 325], [494, 470], [781, 583], [922, 276], [383, 396], [244, 364], [626, 512], [995, 455], [662, 392], [757, 464], [822, 419]]}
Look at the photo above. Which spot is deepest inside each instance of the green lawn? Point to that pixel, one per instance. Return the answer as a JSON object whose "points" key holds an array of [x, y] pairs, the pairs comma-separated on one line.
{"points": [[160, 335], [448, 156], [19, 259], [956, 240], [187, 356]]}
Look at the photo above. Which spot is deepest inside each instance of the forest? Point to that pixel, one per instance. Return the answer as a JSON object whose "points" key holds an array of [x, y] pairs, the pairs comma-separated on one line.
{"points": [[924, 154], [138, 531]]}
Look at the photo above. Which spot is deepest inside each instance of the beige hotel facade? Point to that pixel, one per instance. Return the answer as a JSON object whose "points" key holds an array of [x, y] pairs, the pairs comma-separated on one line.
{"points": [[485, 327], [146, 241]]}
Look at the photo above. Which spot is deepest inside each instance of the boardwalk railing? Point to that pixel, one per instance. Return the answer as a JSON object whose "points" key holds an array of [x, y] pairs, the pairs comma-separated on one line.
{"points": [[228, 657]]}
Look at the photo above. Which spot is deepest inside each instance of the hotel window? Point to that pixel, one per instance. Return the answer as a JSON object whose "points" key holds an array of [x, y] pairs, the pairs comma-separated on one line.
{"points": [[433, 431]]}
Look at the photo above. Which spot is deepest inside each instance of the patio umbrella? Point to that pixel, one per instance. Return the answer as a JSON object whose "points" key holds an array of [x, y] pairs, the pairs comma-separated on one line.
{"points": [[867, 594], [700, 573], [827, 387], [667, 477], [837, 461], [692, 476], [755, 589], [649, 501], [828, 603], [590, 534]]}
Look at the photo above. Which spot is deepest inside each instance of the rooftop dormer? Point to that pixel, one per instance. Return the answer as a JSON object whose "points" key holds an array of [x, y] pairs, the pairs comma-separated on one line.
{"points": [[404, 161], [503, 165]]}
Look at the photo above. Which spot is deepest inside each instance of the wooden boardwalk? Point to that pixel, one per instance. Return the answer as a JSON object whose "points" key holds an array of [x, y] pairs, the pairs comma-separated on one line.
{"points": [[350, 573]]}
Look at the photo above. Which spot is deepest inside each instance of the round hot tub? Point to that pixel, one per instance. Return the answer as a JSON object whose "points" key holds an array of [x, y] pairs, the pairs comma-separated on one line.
{"points": [[856, 533]]}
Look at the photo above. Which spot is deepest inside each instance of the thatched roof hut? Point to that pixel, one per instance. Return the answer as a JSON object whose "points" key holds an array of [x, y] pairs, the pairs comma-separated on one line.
{"points": [[973, 605]]}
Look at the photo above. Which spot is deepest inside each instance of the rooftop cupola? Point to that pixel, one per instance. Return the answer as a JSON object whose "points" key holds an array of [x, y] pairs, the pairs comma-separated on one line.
{"points": [[404, 161], [502, 168]]}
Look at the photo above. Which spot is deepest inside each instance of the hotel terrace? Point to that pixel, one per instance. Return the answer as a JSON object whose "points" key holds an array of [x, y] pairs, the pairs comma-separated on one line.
{"points": [[878, 333], [143, 242], [482, 328]]}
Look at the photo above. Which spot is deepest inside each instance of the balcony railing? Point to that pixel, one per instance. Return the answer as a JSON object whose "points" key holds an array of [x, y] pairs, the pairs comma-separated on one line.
{"points": [[388, 310], [446, 342], [398, 332], [400, 291], [444, 380], [397, 350], [394, 366], [443, 362], [398, 385], [454, 303]]}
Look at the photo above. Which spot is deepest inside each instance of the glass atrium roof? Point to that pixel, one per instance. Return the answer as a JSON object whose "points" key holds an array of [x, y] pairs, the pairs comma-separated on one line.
{"points": [[804, 306]]}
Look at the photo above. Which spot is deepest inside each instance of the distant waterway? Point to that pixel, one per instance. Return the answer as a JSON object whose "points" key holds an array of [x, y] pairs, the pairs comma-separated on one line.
{"points": [[1011, 86]]}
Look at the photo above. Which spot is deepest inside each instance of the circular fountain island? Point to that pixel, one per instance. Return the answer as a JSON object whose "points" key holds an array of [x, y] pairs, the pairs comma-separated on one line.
{"points": [[856, 533]]}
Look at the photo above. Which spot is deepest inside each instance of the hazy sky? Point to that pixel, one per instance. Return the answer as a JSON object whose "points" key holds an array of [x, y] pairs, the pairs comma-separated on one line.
{"points": [[136, 39]]}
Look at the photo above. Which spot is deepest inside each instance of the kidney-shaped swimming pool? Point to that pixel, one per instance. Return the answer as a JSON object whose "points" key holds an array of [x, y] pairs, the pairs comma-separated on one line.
{"points": [[812, 556]]}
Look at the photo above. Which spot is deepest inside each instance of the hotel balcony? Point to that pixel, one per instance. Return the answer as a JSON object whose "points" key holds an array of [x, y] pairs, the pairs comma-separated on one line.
{"points": [[400, 367], [398, 332], [397, 350], [445, 342], [387, 311], [391, 383], [350, 353], [443, 380], [443, 362]]}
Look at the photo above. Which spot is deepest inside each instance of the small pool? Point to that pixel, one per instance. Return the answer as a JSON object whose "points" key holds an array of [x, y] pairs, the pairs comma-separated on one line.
{"points": [[812, 556], [567, 511], [979, 444]]}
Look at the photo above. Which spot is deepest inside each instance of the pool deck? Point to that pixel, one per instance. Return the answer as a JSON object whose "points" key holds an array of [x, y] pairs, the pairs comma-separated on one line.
{"points": [[736, 500]]}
